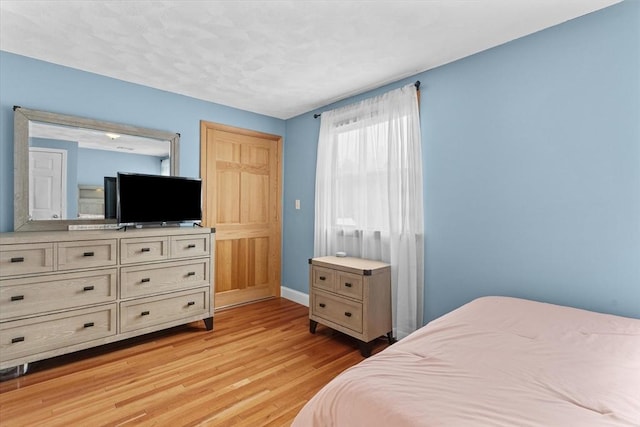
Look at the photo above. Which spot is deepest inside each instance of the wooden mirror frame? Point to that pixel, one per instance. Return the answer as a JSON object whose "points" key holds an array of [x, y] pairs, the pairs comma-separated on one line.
{"points": [[21, 119]]}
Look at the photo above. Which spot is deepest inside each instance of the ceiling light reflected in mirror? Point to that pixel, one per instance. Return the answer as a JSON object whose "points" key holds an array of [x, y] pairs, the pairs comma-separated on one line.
{"points": [[99, 140]]}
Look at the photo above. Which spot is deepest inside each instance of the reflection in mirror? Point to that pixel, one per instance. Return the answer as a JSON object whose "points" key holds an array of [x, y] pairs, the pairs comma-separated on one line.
{"points": [[79, 161], [66, 167]]}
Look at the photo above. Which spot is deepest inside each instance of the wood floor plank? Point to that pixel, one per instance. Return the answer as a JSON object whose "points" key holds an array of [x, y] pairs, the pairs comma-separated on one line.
{"points": [[258, 367]]}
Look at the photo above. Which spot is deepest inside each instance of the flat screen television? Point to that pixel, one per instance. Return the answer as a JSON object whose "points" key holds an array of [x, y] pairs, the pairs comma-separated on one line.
{"points": [[158, 199]]}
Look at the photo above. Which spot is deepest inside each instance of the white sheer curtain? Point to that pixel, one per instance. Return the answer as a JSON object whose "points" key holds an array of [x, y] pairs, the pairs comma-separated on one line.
{"points": [[369, 193]]}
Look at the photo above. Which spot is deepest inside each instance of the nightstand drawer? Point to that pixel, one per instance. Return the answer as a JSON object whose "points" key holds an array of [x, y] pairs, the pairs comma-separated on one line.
{"points": [[338, 310], [35, 295], [147, 279], [27, 258], [152, 311], [143, 249], [37, 335], [349, 285], [87, 254], [323, 278]]}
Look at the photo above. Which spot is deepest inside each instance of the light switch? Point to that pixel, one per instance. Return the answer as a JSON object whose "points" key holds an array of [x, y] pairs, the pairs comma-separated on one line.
{"points": [[297, 203]]}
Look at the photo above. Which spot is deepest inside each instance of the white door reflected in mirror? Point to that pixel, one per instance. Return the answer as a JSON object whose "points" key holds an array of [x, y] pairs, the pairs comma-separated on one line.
{"points": [[47, 186]]}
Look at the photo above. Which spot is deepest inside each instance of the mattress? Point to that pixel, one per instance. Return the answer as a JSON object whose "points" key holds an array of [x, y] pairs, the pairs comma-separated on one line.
{"points": [[496, 361]]}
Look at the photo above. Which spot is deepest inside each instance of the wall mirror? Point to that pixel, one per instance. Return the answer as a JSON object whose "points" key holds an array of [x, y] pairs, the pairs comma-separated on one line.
{"points": [[65, 167]]}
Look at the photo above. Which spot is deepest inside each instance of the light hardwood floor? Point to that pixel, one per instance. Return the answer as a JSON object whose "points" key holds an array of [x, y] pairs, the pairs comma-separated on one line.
{"points": [[257, 367]]}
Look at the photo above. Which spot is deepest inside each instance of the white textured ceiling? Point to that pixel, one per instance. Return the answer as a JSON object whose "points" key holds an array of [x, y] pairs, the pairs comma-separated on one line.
{"points": [[278, 58]]}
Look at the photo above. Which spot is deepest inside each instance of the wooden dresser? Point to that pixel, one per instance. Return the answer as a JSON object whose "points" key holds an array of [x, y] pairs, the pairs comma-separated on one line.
{"points": [[64, 291], [353, 296]]}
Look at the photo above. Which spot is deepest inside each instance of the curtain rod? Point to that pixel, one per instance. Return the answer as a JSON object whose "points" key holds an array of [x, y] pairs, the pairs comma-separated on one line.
{"points": [[416, 84]]}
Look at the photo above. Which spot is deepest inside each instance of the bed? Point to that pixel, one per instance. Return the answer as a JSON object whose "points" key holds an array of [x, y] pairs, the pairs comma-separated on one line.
{"points": [[495, 361]]}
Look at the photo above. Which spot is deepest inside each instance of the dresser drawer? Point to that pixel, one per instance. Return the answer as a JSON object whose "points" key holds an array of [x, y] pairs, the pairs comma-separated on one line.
{"points": [[338, 310], [349, 285], [152, 311], [26, 258], [35, 295], [37, 335], [323, 278], [86, 254], [143, 249], [148, 279], [190, 246]]}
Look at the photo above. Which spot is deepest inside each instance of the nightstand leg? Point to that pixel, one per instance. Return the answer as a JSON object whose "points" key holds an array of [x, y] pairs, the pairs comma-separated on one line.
{"points": [[312, 326], [365, 348], [390, 337]]}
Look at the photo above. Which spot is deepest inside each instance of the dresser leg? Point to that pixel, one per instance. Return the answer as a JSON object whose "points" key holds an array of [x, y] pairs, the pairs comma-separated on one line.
{"points": [[312, 326], [365, 348], [13, 372], [208, 323]]}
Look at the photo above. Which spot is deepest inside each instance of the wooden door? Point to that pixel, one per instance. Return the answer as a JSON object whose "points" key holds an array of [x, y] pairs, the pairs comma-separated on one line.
{"points": [[47, 183], [241, 173]]}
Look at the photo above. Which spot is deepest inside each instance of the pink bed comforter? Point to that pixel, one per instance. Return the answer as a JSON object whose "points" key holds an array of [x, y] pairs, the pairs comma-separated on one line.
{"points": [[495, 361]]}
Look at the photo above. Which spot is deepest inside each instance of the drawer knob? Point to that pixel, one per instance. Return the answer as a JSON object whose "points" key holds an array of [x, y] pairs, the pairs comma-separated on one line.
{"points": [[17, 259], [191, 246], [145, 280], [144, 313], [17, 297], [88, 324], [145, 250], [323, 305], [348, 285], [88, 288], [322, 278], [88, 254], [18, 339], [346, 313], [190, 303], [191, 273]]}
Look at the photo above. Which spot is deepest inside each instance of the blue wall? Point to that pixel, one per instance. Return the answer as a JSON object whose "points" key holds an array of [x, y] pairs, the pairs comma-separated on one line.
{"points": [[94, 165], [40, 85], [531, 161], [531, 170]]}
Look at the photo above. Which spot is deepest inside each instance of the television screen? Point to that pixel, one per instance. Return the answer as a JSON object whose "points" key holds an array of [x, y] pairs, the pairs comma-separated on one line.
{"points": [[145, 199]]}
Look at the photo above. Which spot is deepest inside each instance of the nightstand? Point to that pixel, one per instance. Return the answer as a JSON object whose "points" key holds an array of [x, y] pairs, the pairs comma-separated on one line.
{"points": [[353, 296]]}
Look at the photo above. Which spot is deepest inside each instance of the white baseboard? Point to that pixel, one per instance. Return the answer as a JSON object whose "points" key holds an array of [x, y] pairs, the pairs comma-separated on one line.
{"points": [[295, 296]]}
